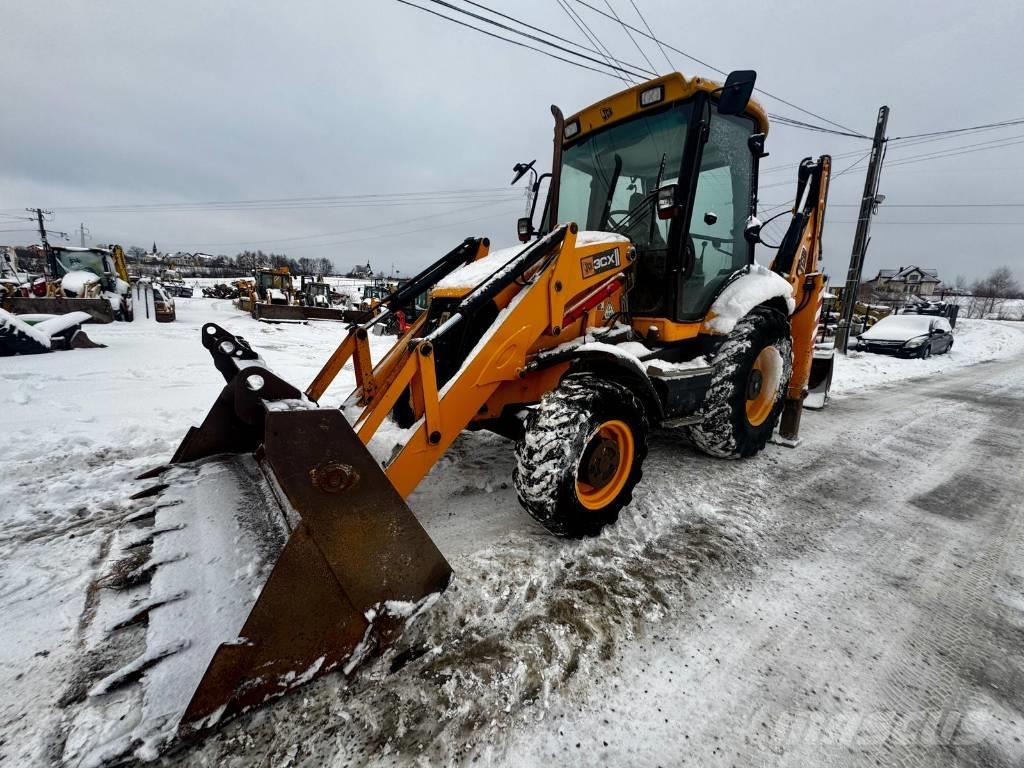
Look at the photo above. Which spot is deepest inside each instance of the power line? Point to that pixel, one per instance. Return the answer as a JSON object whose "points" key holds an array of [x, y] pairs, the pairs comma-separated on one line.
{"points": [[514, 31], [632, 70], [983, 126], [962, 150], [587, 32], [723, 72], [792, 123], [402, 233], [304, 207], [344, 231], [671, 66], [934, 205], [630, 36], [504, 39], [881, 222], [536, 29], [839, 174], [385, 198]]}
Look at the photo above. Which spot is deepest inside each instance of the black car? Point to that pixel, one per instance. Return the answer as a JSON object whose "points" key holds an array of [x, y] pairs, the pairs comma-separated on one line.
{"points": [[908, 336]]}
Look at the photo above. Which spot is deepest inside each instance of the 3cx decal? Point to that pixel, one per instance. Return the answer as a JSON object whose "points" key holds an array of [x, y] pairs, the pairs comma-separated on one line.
{"points": [[599, 262]]}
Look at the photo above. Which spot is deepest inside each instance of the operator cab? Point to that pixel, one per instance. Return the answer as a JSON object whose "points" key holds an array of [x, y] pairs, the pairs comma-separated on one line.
{"points": [[672, 165]]}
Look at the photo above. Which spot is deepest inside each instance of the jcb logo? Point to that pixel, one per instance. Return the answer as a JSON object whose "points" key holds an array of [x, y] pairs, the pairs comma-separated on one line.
{"points": [[599, 262]]}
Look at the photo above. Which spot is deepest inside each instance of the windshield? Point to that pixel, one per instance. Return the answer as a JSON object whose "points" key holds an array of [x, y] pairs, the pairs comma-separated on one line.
{"points": [[615, 172]]}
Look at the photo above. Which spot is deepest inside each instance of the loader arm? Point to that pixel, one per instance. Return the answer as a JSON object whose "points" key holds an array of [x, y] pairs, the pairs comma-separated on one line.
{"points": [[799, 261], [543, 292], [346, 562]]}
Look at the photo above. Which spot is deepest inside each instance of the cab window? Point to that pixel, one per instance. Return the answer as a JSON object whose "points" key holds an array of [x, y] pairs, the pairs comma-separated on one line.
{"points": [[720, 211]]}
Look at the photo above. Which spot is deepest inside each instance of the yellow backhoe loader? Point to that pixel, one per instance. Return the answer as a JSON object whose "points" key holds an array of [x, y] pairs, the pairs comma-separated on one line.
{"points": [[635, 303]]}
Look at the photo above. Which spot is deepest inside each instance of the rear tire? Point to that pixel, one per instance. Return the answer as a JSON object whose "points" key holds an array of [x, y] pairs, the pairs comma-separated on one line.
{"points": [[750, 374], [581, 456]]}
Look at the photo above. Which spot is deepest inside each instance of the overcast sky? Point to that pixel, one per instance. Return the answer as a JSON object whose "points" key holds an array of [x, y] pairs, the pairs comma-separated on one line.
{"points": [[113, 103]]}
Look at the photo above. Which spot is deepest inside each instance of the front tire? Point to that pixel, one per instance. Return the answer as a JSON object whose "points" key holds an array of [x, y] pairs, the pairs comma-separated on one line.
{"points": [[581, 456], [750, 374]]}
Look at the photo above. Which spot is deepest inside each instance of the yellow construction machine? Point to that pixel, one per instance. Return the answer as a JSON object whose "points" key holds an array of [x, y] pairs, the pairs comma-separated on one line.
{"points": [[634, 303]]}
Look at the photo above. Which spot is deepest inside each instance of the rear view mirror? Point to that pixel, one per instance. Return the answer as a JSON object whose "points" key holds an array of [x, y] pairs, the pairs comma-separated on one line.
{"points": [[736, 92]]}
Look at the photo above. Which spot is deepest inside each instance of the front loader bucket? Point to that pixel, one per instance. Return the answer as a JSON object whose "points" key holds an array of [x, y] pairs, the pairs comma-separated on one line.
{"points": [[820, 381], [278, 313], [280, 552]]}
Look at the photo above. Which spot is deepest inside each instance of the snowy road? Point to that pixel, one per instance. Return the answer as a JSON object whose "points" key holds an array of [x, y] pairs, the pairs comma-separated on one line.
{"points": [[884, 624], [855, 601]]}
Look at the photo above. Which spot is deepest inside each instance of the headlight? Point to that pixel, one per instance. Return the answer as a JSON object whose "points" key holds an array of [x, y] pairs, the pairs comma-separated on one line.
{"points": [[916, 342]]}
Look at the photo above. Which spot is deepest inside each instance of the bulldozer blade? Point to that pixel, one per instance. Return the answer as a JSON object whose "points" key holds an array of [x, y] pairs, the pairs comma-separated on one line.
{"points": [[820, 380]]}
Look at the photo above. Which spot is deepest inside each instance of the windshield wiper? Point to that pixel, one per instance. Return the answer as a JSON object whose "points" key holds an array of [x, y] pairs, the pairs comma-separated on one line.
{"points": [[631, 213], [657, 183], [627, 219]]}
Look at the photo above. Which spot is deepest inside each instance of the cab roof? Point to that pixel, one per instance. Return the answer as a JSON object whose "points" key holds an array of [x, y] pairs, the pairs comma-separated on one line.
{"points": [[627, 103]]}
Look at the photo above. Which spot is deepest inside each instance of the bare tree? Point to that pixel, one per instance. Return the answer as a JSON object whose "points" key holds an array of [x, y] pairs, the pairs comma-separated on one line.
{"points": [[991, 292]]}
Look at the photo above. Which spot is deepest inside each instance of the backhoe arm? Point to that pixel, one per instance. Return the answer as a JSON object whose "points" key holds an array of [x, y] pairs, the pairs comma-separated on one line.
{"points": [[799, 261]]}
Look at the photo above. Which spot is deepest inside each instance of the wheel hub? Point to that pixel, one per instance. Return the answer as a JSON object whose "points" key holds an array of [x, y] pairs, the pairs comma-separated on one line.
{"points": [[754, 384], [601, 462]]}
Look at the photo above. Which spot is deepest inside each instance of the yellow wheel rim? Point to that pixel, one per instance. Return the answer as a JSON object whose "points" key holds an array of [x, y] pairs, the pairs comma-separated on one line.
{"points": [[605, 466], [763, 385]]}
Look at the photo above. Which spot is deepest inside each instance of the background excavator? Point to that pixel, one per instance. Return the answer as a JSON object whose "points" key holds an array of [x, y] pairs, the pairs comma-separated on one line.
{"points": [[634, 303], [92, 280]]}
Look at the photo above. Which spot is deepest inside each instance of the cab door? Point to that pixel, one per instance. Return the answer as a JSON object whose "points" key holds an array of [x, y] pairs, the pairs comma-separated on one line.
{"points": [[722, 204]]}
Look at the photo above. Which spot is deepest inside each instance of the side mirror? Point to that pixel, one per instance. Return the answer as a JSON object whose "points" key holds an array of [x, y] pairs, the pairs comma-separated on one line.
{"points": [[524, 228], [669, 204], [736, 93], [520, 169]]}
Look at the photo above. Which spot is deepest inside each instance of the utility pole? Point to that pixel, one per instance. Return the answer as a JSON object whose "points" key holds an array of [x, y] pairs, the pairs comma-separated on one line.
{"points": [[50, 261], [83, 233], [868, 204]]}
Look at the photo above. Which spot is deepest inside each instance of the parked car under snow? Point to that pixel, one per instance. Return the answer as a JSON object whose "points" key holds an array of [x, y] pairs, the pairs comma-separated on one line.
{"points": [[908, 336]]}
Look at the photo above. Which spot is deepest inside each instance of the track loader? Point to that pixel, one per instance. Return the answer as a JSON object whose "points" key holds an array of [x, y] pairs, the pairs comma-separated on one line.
{"points": [[634, 303]]}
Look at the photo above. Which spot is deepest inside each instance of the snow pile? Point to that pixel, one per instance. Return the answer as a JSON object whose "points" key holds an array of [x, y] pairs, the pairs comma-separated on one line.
{"points": [[756, 286], [974, 341], [591, 237], [77, 281], [12, 325], [57, 324]]}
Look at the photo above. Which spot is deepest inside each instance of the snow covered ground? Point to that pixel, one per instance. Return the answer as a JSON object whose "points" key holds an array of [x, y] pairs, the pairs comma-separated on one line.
{"points": [[974, 341], [541, 645]]}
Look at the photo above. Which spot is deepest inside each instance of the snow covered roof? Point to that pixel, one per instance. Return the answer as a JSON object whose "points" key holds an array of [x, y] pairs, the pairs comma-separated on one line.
{"points": [[900, 275], [904, 271]]}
